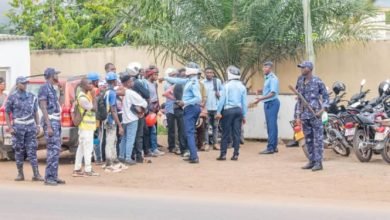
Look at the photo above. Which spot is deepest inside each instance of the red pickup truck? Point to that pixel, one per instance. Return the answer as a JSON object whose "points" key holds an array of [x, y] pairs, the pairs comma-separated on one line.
{"points": [[69, 134]]}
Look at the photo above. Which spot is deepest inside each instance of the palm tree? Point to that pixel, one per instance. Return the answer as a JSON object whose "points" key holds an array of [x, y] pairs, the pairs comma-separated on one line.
{"points": [[245, 33]]}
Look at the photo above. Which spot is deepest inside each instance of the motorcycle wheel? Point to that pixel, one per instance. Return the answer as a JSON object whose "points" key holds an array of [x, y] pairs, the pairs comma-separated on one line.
{"points": [[341, 149], [362, 155], [386, 151], [302, 144]]}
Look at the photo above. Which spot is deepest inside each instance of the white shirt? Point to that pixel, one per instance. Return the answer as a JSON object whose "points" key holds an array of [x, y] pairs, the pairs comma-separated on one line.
{"points": [[131, 98]]}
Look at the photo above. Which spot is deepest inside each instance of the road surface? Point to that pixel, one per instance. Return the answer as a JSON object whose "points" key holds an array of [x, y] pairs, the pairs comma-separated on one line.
{"points": [[99, 203]]}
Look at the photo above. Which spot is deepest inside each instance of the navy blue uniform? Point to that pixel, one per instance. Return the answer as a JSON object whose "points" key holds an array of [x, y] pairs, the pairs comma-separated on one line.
{"points": [[48, 93], [315, 93], [23, 106]]}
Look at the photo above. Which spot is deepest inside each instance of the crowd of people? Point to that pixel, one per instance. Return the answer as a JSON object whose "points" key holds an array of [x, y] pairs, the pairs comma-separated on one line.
{"points": [[117, 116]]}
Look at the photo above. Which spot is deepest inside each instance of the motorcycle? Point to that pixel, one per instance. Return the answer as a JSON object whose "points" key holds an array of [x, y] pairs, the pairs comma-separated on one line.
{"points": [[371, 136]]}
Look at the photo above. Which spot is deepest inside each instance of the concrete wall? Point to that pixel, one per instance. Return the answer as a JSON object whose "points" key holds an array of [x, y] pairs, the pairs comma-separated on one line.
{"points": [[14, 59], [348, 63], [82, 61]]}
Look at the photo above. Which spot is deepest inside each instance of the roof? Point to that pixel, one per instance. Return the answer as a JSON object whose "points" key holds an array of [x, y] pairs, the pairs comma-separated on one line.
{"points": [[5, 37]]}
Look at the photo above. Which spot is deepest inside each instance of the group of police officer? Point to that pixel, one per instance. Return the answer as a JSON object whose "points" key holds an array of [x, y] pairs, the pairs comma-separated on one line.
{"points": [[22, 107]]}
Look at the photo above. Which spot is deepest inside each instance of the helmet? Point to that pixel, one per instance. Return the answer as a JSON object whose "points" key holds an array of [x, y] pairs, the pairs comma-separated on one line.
{"points": [[111, 76], [233, 70], [151, 119], [233, 73], [169, 71], [93, 76], [338, 87], [383, 89], [134, 66], [192, 68]]}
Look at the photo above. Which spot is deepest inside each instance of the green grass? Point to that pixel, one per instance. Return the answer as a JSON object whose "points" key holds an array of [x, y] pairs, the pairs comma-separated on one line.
{"points": [[161, 130]]}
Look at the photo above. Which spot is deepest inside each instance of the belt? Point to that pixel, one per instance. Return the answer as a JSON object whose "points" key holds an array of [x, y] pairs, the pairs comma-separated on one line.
{"points": [[55, 116], [23, 122], [230, 107]]}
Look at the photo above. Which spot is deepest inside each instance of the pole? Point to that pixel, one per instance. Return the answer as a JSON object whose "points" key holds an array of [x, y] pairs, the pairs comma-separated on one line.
{"points": [[308, 31]]}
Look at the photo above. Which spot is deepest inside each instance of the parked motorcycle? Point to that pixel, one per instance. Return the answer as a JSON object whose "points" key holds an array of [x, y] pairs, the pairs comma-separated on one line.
{"points": [[371, 136]]}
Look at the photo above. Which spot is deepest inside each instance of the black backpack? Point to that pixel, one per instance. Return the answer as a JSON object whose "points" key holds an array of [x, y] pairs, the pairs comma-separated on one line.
{"points": [[101, 113]]}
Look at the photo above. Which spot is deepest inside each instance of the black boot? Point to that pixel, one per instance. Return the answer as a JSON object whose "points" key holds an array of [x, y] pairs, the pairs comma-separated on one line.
{"points": [[308, 166], [20, 176], [37, 176], [317, 167]]}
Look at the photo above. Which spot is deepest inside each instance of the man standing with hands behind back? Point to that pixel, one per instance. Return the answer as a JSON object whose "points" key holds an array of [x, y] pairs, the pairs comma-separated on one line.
{"points": [[271, 107]]}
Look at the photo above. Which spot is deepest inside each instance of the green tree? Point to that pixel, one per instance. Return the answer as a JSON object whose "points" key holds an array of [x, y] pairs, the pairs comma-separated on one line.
{"points": [[58, 24], [241, 32]]}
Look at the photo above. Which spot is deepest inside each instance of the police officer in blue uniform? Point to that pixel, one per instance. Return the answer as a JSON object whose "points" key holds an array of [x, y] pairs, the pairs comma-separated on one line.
{"points": [[23, 106], [232, 110], [191, 104], [314, 91], [51, 110]]}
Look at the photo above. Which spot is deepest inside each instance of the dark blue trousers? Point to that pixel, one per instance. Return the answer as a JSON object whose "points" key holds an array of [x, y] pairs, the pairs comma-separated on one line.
{"points": [[271, 110], [191, 114], [231, 129]]}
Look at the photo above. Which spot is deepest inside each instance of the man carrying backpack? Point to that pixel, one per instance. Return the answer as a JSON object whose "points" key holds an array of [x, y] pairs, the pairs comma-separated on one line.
{"points": [[111, 123], [213, 88], [86, 107]]}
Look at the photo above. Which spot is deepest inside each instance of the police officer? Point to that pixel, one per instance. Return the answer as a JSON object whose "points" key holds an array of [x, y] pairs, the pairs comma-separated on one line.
{"points": [[271, 107], [232, 109], [314, 91], [191, 104], [51, 120], [24, 109]]}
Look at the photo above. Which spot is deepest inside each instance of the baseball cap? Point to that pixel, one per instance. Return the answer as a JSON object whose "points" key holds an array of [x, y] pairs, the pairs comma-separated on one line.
{"points": [[268, 63], [305, 64], [50, 72], [22, 80]]}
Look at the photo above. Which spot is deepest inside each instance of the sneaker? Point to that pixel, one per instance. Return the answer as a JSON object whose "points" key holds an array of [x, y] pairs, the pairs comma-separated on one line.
{"points": [[78, 173], [92, 173], [186, 154], [99, 163], [130, 162], [157, 153], [121, 166], [112, 169], [177, 152]]}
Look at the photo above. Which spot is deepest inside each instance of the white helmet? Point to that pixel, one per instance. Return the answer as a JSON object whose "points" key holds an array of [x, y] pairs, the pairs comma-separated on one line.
{"points": [[134, 66], [169, 71]]}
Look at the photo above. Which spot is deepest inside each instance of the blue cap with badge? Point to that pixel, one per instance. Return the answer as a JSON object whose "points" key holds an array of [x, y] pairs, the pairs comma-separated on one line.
{"points": [[306, 64], [50, 72], [21, 80]]}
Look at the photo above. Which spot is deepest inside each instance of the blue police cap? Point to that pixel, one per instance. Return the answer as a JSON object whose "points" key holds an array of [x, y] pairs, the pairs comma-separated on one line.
{"points": [[307, 64], [22, 80], [50, 72]]}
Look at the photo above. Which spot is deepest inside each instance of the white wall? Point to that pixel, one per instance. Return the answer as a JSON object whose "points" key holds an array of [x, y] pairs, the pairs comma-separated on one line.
{"points": [[256, 128], [15, 56]]}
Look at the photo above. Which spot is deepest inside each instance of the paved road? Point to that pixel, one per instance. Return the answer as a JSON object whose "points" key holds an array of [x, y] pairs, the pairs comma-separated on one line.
{"points": [[42, 204]]}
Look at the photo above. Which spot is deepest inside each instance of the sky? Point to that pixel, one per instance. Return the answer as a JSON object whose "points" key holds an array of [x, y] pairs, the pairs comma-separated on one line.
{"points": [[4, 7], [383, 3]]}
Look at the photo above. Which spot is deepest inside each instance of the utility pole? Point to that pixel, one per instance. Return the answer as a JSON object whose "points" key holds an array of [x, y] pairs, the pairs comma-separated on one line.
{"points": [[309, 48]]}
